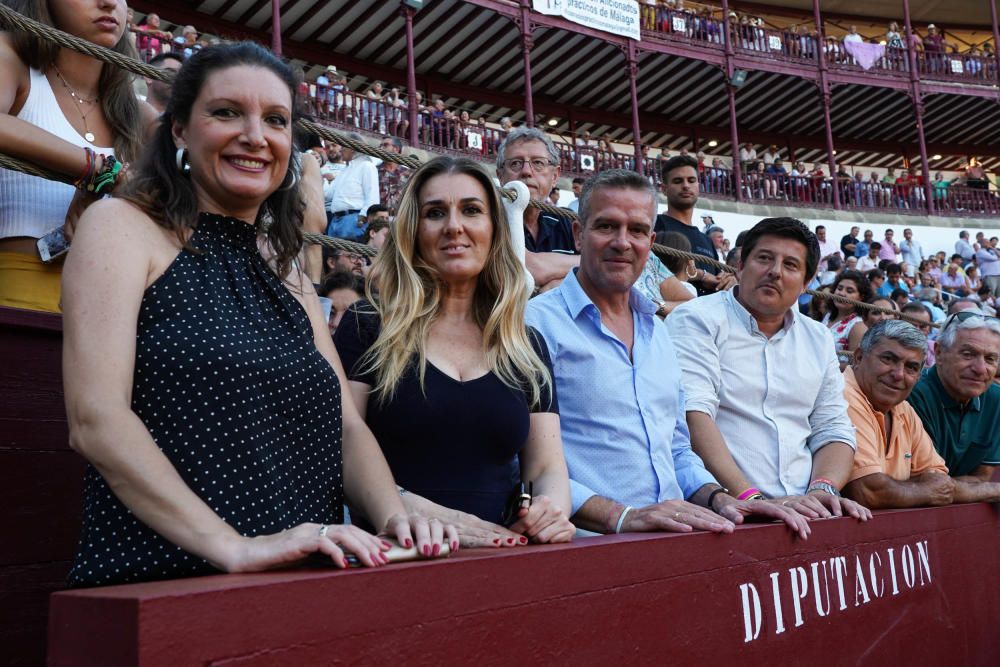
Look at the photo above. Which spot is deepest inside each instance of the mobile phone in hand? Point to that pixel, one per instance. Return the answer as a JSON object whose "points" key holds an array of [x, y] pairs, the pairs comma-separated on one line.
{"points": [[53, 245]]}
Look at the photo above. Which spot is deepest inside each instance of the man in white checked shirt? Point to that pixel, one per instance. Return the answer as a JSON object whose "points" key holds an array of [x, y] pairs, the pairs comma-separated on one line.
{"points": [[764, 394]]}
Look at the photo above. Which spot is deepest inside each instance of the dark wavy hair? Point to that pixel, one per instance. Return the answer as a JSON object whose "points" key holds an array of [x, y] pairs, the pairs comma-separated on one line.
{"points": [[114, 87], [167, 196], [865, 292]]}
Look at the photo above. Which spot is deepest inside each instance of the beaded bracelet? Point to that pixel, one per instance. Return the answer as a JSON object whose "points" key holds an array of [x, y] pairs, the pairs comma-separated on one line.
{"points": [[88, 170]]}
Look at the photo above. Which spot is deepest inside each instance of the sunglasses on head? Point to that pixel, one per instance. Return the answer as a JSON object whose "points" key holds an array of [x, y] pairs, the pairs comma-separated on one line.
{"points": [[963, 315]]}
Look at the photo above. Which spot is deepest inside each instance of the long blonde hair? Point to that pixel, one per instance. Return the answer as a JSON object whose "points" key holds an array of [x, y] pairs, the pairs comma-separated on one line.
{"points": [[409, 296]]}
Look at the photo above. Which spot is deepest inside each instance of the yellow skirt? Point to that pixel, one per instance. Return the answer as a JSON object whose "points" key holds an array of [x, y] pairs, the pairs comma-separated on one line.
{"points": [[28, 282]]}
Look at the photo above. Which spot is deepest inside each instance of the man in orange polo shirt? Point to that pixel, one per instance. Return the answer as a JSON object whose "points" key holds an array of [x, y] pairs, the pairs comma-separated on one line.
{"points": [[895, 464]]}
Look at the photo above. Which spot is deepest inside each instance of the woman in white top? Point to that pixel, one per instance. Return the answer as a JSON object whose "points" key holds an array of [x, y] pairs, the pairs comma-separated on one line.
{"points": [[844, 320], [66, 112]]}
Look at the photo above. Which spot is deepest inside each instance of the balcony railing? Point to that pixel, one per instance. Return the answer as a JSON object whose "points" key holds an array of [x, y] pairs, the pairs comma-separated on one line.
{"points": [[801, 47], [438, 133]]}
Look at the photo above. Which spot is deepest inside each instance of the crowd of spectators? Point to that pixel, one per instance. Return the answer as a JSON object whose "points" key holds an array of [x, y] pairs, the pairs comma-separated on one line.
{"points": [[470, 365]]}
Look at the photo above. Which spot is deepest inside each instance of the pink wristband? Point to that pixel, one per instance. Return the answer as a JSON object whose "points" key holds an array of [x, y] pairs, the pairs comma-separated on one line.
{"points": [[749, 492]]}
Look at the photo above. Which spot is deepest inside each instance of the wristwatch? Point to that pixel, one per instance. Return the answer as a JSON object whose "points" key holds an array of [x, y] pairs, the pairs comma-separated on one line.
{"points": [[823, 486]]}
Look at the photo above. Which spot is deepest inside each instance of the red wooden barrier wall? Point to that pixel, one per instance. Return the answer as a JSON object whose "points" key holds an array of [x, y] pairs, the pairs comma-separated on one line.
{"points": [[40, 482], [912, 586], [926, 590]]}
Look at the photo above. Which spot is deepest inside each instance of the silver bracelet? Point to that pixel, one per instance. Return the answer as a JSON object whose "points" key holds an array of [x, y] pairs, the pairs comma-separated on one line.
{"points": [[621, 519]]}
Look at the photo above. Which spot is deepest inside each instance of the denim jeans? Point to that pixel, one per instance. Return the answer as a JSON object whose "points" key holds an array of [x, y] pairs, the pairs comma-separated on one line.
{"points": [[345, 227]]}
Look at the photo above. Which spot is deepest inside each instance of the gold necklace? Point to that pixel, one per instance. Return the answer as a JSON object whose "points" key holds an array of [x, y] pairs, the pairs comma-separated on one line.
{"points": [[87, 134]]}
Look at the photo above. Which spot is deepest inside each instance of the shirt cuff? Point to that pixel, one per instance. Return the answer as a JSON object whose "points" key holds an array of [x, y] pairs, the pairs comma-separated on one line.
{"points": [[579, 494], [707, 404], [693, 479], [821, 440]]}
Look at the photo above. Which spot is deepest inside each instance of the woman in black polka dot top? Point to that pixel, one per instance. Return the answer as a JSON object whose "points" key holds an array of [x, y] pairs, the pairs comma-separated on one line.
{"points": [[193, 352]]}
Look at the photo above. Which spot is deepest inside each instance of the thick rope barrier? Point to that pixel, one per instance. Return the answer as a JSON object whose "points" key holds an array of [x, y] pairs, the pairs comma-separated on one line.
{"points": [[14, 20]]}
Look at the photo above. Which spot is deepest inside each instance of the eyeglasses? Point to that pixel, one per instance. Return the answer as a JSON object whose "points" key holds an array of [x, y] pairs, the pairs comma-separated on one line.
{"points": [[537, 164], [353, 257], [963, 315]]}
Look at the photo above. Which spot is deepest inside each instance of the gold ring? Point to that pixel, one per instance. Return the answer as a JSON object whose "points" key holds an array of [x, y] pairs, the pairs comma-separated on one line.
{"points": [[677, 516]]}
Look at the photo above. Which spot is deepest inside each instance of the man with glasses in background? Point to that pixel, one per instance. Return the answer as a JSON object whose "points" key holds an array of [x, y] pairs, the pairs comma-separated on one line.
{"points": [[340, 260], [958, 402], [528, 155]]}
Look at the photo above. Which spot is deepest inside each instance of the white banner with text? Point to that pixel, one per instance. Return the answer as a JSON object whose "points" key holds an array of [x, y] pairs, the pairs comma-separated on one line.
{"points": [[619, 17]]}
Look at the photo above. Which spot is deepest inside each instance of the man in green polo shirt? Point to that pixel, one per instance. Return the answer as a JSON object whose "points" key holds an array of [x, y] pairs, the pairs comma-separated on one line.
{"points": [[958, 402]]}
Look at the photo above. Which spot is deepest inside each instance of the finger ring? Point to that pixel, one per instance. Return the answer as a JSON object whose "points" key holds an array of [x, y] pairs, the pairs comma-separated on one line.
{"points": [[677, 516], [323, 530]]}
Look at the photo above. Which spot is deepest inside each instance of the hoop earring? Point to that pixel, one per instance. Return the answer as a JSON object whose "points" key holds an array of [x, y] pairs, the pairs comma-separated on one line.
{"points": [[182, 162], [293, 183]]}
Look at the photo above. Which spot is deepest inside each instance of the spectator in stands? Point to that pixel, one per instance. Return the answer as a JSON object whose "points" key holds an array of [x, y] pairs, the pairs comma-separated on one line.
{"points": [[157, 507], [636, 472], [957, 400], [577, 188], [875, 278], [845, 321], [870, 261], [827, 249], [158, 92], [102, 117], [777, 179], [953, 280], [864, 246], [920, 315], [893, 281], [341, 289], [528, 155], [988, 260], [889, 249], [972, 280], [151, 40], [391, 175], [895, 464], [748, 156], [899, 297], [770, 155], [377, 232], [717, 235], [335, 259], [873, 317], [911, 250], [443, 357], [934, 49], [736, 412], [849, 243], [680, 185], [354, 190], [963, 247]]}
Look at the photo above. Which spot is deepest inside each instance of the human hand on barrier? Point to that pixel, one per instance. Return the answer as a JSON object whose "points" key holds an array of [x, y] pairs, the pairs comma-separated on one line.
{"points": [[739, 510], [268, 552], [427, 533], [544, 522], [940, 488], [822, 505], [473, 532], [678, 516]]}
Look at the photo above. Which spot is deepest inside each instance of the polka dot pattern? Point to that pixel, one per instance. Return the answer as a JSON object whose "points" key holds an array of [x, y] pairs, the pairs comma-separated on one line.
{"points": [[234, 392]]}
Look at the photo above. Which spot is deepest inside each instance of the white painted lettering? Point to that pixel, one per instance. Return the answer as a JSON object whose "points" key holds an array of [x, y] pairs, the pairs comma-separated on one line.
{"points": [[875, 580], [839, 567], [820, 609], [909, 573], [892, 572], [751, 617], [779, 619], [800, 588], [860, 588], [923, 556]]}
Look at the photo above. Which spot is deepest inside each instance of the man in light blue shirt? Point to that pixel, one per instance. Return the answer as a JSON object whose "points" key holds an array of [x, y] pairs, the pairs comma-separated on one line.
{"points": [[621, 402]]}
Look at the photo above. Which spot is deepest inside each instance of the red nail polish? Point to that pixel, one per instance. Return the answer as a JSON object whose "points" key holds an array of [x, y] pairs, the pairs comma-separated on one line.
{"points": [[454, 546], [427, 550], [510, 540], [409, 543], [437, 549], [497, 541], [524, 540]]}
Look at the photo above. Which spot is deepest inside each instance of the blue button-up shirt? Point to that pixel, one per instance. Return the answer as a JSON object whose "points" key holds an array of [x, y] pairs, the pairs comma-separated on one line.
{"points": [[623, 423]]}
